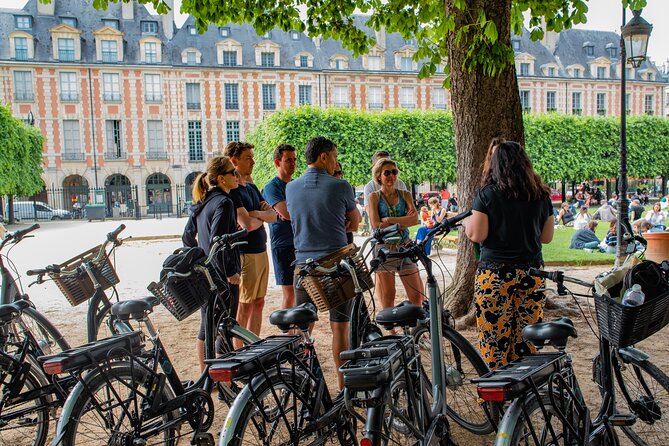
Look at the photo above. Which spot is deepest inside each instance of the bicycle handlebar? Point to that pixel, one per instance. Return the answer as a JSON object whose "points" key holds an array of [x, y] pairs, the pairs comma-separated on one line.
{"points": [[114, 234], [229, 238], [380, 234], [39, 272], [558, 277]]}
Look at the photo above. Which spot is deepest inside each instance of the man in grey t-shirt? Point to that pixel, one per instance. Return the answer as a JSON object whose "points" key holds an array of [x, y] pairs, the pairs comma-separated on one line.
{"points": [[372, 186], [322, 208]]}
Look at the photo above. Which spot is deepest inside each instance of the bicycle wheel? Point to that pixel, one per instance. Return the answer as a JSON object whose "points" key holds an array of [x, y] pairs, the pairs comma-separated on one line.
{"points": [[23, 421], [645, 389], [533, 428], [275, 412], [47, 336], [461, 363], [400, 415], [105, 410]]}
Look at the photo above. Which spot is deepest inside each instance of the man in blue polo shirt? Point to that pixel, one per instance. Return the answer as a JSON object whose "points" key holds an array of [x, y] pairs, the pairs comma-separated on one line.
{"points": [[322, 209], [280, 232]]}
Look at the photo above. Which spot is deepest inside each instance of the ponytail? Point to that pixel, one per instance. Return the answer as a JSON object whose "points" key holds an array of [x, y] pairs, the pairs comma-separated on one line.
{"points": [[205, 181]]}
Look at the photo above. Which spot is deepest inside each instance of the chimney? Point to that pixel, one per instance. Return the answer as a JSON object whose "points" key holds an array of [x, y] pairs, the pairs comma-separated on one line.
{"points": [[168, 20], [317, 41], [550, 38], [128, 10], [46, 8], [381, 37]]}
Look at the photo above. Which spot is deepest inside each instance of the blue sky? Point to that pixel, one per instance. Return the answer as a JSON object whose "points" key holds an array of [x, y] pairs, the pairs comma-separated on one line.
{"points": [[602, 16]]}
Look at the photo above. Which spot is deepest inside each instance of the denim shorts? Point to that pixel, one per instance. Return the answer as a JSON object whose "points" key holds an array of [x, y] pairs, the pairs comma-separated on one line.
{"points": [[283, 258]]}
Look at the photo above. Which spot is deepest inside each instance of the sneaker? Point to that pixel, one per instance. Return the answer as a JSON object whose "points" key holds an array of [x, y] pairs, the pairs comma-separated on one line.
{"points": [[587, 250]]}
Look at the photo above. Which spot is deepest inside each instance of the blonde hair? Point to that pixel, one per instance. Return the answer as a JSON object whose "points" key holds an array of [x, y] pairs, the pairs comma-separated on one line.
{"points": [[205, 181], [378, 167]]}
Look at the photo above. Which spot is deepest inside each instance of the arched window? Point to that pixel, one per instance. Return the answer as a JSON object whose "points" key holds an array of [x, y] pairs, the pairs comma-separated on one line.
{"points": [[75, 194], [158, 193], [119, 195]]}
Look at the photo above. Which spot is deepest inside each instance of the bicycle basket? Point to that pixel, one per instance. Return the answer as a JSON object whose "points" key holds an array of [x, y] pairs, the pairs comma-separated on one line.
{"points": [[182, 296], [623, 326], [328, 292], [78, 288]]}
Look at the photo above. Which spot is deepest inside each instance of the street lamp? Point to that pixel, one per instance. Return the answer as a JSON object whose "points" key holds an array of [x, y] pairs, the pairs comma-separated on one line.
{"points": [[31, 118], [633, 45]]}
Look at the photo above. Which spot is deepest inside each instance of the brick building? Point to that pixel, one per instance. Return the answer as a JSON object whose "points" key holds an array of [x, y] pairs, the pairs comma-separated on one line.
{"points": [[125, 98]]}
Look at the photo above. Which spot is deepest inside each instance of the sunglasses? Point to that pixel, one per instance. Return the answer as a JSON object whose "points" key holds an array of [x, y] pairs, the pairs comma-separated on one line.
{"points": [[387, 173], [228, 172], [338, 173]]}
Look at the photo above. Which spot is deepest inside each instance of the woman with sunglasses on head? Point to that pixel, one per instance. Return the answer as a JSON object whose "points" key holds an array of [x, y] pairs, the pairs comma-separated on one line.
{"points": [[387, 207], [213, 214], [512, 216]]}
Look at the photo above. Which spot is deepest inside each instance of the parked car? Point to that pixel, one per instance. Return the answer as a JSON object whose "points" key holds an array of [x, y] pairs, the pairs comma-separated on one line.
{"points": [[425, 196], [27, 210]]}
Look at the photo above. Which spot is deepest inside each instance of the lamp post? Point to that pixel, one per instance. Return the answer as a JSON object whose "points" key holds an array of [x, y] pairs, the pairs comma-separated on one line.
{"points": [[633, 45]]}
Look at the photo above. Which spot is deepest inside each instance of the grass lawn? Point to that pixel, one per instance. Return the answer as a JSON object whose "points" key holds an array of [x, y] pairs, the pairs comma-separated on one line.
{"points": [[558, 253]]}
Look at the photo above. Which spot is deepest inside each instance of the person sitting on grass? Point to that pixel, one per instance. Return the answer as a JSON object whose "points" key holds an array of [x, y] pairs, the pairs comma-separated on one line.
{"points": [[585, 238], [656, 217], [582, 218], [610, 242]]}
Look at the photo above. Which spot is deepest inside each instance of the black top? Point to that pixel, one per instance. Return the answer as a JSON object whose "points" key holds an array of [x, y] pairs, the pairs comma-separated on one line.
{"points": [[636, 212], [514, 226], [215, 215], [249, 197]]}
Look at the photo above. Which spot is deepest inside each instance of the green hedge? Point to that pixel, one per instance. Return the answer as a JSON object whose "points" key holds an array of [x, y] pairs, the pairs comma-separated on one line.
{"points": [[20, 156], [561, 147]]}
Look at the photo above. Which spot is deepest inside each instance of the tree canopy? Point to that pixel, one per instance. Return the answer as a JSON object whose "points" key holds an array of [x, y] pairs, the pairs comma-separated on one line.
{"points": [[20, 156]]}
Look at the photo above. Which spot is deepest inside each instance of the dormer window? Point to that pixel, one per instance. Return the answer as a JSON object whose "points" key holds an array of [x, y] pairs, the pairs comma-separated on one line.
{"points": [[267, 35], [524, 69], [589, 49], [650, 77], [191, 57], [551, 71], [149, 27], [225, 31], [601, 72], [109, 51], [69, 21], [295, 35], [21, 48], [577, 72], [23, 22], [515, 44], [266, 59], [612, 50], [192, 31], [304, 61], [406, 64], [340, 64], [66, 50], [374, 62], [112, 23]]}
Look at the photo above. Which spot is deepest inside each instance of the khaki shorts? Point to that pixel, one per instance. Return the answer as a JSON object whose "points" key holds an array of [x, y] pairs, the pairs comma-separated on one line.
{"points": [[255, 274]]}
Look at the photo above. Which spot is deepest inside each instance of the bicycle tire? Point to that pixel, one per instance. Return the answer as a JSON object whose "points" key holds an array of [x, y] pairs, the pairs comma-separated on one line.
{"points": [[120, 385], [361, 328], [245, 425], [462, 399], [47, 336], [645, 390], [33, 426], [393, 430]]}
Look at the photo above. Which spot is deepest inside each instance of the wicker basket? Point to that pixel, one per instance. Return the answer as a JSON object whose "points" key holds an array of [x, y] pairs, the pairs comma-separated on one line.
{"points": [[78, 288], [182, 296], [623, 326], [329, 292]]}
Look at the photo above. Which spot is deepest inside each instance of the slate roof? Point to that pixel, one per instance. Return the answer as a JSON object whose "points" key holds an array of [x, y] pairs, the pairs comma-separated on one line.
{"points": [[569, 48]]}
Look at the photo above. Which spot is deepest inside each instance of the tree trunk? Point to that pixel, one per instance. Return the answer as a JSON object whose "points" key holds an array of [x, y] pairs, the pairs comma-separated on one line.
{"points": [[484, 107]]}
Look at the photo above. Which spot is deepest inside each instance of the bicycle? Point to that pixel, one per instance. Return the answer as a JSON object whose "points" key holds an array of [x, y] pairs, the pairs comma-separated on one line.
{"points": [[85, 278], [408, 403], [546, 403], [461, 360], [30, 319], [125, 398]]}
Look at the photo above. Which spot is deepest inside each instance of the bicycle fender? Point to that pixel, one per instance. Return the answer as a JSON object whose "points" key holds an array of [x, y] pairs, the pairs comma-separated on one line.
{"points": [[512, 416], [634, 354], [66, 413], [235, 412]]}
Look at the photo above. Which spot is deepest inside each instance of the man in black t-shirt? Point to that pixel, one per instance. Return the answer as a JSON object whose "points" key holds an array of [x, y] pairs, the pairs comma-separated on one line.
{"points": [[636, 210], [252, 213]]}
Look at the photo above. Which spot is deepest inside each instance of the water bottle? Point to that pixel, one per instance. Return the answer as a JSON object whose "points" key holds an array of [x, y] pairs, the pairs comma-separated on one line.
{"points": [[633, 296]]}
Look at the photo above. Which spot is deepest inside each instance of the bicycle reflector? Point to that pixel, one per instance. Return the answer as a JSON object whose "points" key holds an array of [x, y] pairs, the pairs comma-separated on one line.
{"points": [[53, 367], [492, 394], [221, 374], [365, 442]]}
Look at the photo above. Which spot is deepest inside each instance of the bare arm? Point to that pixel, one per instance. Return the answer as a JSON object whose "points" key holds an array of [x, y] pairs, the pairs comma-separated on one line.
{"points": [[266, 213], [373, 211], [476, 227], [282, 209], [548, 231], [246, 221], [352, 220]]}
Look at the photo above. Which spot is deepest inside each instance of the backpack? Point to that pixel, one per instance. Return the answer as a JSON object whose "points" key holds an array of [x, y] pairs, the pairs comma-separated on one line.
{"points": [[651, 277], [183, 260]]}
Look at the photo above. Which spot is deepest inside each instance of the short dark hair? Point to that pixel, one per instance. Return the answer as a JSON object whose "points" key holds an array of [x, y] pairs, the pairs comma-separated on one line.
{"points": [[236, 148], [380, 154], [316, 146], [278, 152]]}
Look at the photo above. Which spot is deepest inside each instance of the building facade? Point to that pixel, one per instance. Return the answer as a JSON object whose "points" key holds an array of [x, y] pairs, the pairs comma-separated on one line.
{"points": [[124, 98]]}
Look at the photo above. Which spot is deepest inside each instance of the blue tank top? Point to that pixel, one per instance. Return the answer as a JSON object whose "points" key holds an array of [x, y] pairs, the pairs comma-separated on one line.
{"points": [[399, 210]]}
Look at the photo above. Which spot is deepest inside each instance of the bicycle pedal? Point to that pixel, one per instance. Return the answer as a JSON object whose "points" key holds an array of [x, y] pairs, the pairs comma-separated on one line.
{"points": [[203, 439], [622, 419]]}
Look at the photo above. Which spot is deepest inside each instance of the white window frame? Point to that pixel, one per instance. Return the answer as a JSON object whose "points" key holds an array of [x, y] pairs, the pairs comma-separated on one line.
{"points": [[155, 141], [375, 97], [71, 137], [152, 88], [304, 94], [68, 86], [340, 96], [408, 97], [23, 86], [109, 51], [439, 98], [111, 87], [150, 52]]}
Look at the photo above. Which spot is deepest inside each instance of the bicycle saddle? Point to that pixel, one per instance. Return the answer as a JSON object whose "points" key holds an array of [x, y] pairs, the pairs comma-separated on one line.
{"points": [[9, 312], [555, 333], [135, 307], [300, 316], [403, 315]]}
